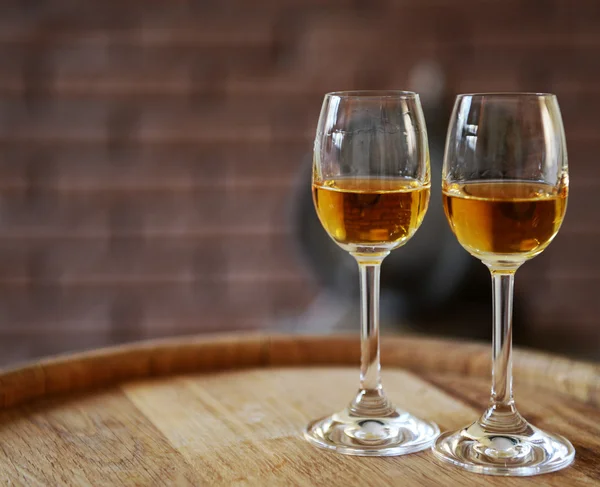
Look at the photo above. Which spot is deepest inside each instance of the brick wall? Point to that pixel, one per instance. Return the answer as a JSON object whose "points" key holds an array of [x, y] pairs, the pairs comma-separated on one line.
{"points": [[148, 150]]}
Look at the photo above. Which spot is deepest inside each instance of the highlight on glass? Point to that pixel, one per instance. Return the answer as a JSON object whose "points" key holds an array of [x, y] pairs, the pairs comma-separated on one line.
{"points": [[505, 185], [371, 183]]}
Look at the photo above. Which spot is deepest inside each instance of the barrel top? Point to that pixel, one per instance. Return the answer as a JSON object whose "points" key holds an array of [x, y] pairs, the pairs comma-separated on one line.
{"points": [[229, 410]]}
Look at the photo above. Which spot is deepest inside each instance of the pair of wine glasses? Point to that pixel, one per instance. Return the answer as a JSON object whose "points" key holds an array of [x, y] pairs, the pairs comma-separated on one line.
{"points": [[505, 185]]}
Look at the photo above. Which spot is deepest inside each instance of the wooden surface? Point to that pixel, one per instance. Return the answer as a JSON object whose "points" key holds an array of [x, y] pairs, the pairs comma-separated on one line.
{"points": [[230, 410]]}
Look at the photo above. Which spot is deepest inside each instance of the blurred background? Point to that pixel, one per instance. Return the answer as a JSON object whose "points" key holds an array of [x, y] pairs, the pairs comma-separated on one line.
{"points": [[155, 165]]}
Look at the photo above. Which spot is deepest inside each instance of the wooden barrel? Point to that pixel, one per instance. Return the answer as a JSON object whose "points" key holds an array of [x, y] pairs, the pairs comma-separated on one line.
{"points": [[230, 410]]}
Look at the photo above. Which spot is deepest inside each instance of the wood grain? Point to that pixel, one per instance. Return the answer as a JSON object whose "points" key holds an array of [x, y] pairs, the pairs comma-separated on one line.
{"points": [[230, 410]]}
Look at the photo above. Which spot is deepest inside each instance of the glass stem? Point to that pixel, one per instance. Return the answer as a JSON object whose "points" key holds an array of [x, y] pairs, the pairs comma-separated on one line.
{"points": [[502, 415], [371, 400], [370, 368], [502, 288]]}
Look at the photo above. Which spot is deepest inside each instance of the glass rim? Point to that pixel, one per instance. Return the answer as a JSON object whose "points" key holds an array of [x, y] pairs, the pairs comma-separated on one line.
{"points": [[365, 94], [507, 94]]}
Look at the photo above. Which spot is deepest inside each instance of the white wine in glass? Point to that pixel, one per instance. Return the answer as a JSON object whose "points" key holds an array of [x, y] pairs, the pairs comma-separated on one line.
{"points": [[505, 186], [371, 184], [370, 211]]}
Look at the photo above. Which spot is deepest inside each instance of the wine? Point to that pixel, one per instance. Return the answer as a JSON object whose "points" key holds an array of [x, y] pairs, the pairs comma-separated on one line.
{"points": [[504, 220], [378, 213]]}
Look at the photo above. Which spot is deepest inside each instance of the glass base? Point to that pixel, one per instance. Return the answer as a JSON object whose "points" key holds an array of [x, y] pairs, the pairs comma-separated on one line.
{"points": [[479, 449], [396, 433]]}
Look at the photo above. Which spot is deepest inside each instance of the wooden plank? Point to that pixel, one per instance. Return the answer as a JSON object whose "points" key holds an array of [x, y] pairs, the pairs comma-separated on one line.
{"points": [[100, 439], [244, 427]]}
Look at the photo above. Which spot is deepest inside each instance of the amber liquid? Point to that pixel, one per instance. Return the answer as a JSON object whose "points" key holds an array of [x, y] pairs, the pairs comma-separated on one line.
{"points": [[504, 220], [370, 212]]}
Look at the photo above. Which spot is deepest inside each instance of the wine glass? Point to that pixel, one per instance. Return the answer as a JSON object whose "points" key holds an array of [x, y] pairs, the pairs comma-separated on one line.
{"points": [[370, 186], [504, 187]]}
